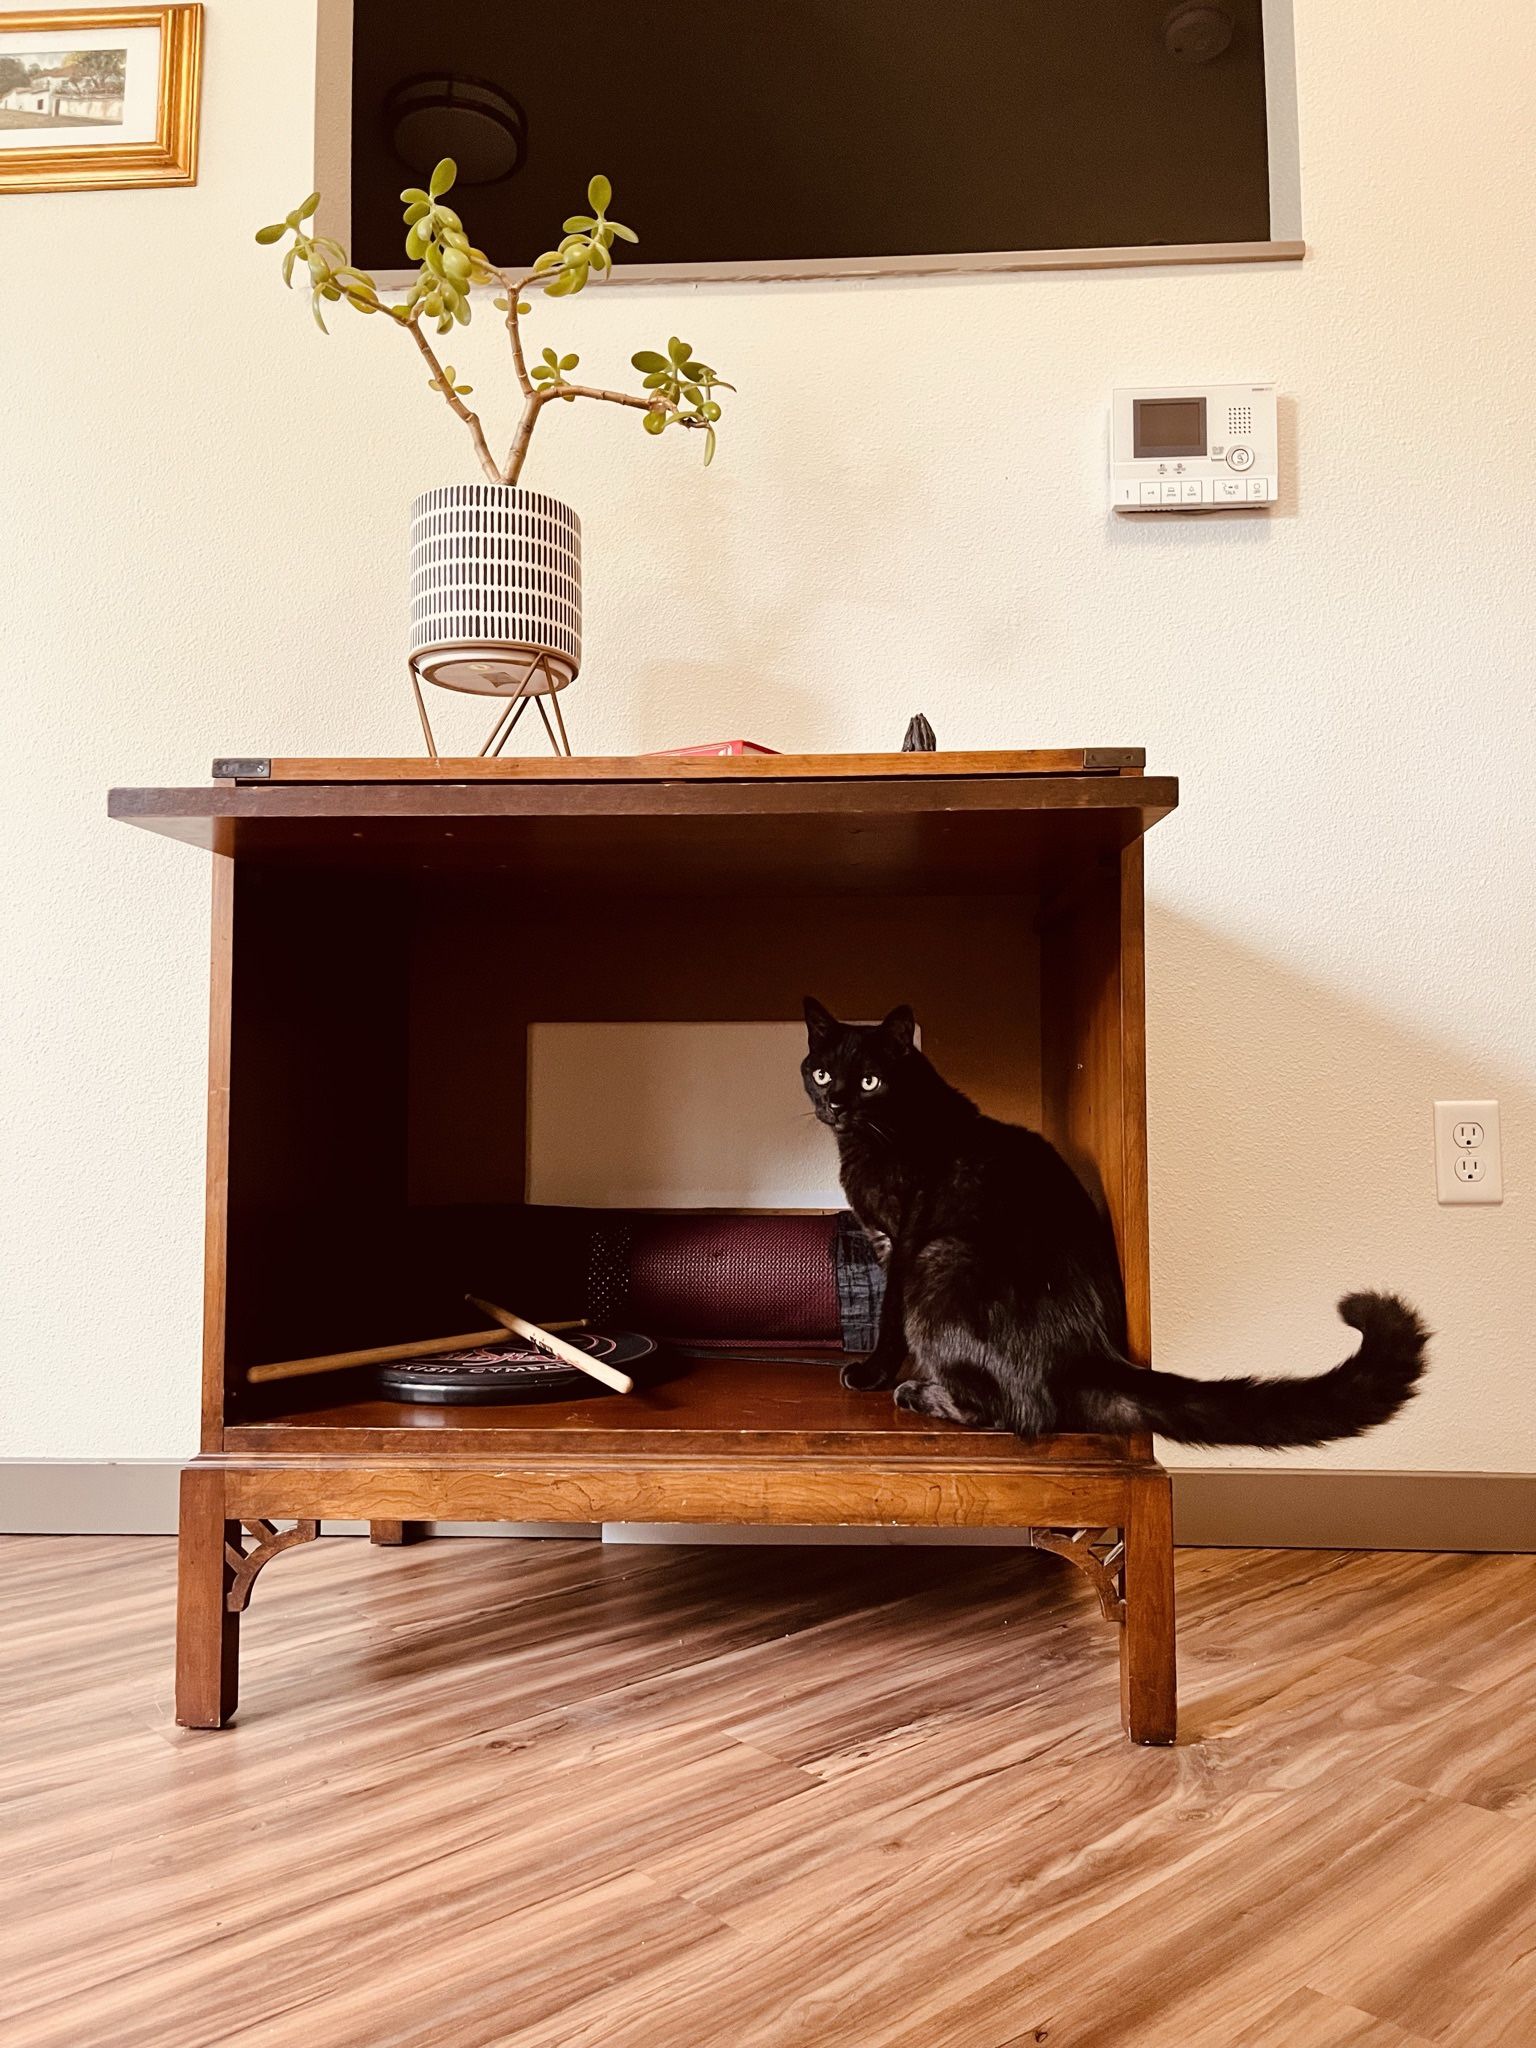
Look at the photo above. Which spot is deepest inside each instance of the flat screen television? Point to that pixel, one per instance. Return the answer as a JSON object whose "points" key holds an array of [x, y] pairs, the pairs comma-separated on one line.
{"points": [[767, 136]]}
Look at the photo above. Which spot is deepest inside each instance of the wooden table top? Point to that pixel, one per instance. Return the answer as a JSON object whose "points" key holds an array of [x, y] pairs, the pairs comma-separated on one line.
{"points": [[1004, 761], [716, 1407], [792, 822]]}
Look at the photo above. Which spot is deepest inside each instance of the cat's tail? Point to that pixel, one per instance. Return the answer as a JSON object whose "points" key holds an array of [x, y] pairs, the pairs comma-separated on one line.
{"points": [[1273, 1414]]}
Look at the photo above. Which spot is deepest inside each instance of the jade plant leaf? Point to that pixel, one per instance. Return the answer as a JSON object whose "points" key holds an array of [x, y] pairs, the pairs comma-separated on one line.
{"points": [[450, 266]]}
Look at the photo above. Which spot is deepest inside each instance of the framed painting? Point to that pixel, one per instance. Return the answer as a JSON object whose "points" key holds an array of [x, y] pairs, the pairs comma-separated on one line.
{"points": [[96, 97]]}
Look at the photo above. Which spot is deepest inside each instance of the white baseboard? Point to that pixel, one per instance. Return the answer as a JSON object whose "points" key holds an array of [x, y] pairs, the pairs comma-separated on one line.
{"points": [[1263, 1508]]}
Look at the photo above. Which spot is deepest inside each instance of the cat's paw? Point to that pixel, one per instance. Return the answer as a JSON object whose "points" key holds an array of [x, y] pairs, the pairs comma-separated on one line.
{"points": [[867, 1375], [933, 1397]]}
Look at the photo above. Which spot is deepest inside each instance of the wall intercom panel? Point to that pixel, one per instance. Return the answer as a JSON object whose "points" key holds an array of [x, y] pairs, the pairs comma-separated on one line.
{"points": [[1194, 448]]}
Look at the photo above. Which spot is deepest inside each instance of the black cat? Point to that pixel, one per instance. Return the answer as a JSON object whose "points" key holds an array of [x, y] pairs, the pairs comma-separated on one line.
{"points": [[1003, 1299]]}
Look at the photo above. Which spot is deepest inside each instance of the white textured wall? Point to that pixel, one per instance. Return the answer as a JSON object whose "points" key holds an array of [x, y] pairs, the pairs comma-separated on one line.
{"points": [[203, 521]]}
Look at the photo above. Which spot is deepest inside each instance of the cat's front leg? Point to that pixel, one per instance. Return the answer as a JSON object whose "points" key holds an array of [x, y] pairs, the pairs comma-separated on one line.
{"points": [[879, 1238], [877, 1369]]}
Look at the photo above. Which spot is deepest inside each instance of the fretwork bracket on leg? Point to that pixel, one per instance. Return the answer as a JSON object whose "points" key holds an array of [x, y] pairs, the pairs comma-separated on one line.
{"points": [[1099, 1555], [245, 1564]]}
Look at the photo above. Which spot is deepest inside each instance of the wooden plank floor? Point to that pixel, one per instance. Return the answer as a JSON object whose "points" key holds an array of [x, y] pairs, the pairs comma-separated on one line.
{"points": [[551, 1795]]}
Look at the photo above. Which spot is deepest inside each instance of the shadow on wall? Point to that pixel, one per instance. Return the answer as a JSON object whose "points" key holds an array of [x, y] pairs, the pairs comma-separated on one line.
{"points": [[897, 599], [1292, 1159]]}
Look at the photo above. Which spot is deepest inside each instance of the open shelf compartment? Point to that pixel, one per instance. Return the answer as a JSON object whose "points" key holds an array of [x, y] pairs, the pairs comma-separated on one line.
{"points": [[380, 949]]}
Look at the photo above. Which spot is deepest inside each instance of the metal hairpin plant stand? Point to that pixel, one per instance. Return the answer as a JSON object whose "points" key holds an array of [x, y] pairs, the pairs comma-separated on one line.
{"points": [[540, 680], [496, 604]]}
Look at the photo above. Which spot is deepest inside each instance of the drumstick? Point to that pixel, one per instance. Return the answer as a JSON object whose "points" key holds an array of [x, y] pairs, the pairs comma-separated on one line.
{"points": [[382, 1354], [594, 1368]]}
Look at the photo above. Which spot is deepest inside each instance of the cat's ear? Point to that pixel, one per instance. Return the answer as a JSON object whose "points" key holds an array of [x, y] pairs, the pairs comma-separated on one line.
{"points": [[819, 1021], [901, 1027]]}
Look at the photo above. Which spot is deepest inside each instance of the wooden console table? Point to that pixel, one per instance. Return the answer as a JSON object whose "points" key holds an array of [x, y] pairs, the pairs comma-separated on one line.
{"points": [[383, 932]]}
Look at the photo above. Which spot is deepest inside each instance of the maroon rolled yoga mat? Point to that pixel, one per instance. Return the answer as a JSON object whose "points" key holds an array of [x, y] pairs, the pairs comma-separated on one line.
{"points": [[723, 1280]]}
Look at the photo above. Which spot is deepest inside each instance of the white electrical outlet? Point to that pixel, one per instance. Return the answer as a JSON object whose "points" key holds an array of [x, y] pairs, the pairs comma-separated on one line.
{"points": [[1469, 1166]]}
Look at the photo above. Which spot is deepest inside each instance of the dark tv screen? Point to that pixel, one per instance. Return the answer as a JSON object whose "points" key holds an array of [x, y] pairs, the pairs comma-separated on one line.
{"points": [[782, 131]]}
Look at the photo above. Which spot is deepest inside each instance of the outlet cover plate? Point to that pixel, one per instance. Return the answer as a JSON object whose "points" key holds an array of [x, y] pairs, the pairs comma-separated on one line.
{"points": [[1469, 1158]]}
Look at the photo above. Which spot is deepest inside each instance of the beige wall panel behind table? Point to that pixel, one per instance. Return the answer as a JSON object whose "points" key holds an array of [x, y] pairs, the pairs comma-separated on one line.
{"points": [[969, 967]]}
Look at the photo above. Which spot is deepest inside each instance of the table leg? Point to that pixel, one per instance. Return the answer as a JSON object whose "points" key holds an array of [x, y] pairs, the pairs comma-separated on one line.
{"points": [[1148, 1684], [207, 1631]]}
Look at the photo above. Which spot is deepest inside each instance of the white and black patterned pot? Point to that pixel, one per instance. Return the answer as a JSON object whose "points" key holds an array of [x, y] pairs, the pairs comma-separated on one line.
{"points": [[495, 590]]}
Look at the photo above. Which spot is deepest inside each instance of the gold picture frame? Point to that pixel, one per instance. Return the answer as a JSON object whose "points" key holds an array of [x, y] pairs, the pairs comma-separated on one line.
{"points": [[161, 115]]}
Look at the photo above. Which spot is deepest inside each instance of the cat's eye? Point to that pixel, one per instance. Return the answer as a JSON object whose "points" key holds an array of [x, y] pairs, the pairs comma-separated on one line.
{"points": [[821, 1077], [870, 1083]]}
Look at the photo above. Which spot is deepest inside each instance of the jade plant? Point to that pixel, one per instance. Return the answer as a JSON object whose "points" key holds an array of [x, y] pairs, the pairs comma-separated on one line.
{"points": [[678, 390]]}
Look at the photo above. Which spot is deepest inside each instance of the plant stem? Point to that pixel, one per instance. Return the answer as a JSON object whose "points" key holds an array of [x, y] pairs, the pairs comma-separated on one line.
{"points": [[517, 455], [471, 420], [654, 403], [539, 399], [514, 291]]}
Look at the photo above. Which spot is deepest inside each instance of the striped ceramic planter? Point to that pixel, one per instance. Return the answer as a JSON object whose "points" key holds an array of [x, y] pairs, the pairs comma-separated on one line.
{"points": [[495, 590]]}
